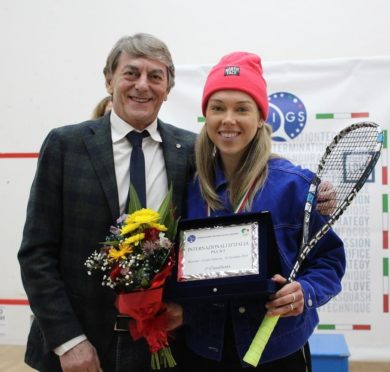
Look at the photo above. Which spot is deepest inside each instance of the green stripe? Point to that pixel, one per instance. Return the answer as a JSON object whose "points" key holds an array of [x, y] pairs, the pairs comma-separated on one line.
{"points": [[385, 203], [385, 266], [201, 119], [385, 139], [326, 326], [324, 116]]}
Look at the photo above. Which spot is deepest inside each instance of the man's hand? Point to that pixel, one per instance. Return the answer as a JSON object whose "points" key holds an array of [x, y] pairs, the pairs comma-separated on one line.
{"points": [[82, 357], [174, 316], [326, 198]]}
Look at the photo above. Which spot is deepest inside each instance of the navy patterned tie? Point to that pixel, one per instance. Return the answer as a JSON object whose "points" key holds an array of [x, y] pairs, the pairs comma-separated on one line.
{"points": [[137, 164]]}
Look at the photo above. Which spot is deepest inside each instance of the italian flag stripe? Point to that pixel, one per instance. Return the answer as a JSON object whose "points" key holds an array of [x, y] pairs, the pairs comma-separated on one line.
{"points": [[342, 115], [385, 285], [344, 327]]}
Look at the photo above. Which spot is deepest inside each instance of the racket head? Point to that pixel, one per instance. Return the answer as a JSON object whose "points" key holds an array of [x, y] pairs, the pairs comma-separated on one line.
{"points": [[346, 165], [343, 169]]}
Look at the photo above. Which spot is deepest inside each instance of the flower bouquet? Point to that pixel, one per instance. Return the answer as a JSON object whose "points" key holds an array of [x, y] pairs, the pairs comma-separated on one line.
{"points": [[135, 260]]}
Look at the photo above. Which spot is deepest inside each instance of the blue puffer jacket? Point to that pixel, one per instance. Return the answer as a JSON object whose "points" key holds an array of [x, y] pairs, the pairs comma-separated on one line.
{"points": [[284, 195]]}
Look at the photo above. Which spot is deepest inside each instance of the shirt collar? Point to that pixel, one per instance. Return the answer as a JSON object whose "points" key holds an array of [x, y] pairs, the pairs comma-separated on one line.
{"points": [[120, 128]]}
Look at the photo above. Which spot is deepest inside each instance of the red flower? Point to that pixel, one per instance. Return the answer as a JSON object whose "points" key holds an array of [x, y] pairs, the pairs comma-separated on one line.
{"points": [[115, 272], [151, 234]]}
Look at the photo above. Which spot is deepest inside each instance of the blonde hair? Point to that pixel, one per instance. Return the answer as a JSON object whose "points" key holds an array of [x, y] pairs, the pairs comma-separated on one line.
{"points": [[253, 171], [101, 107]]}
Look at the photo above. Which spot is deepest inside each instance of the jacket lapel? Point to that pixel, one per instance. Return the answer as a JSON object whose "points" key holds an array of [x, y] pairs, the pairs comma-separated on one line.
{"points": [[175, 157], [99, 146]]}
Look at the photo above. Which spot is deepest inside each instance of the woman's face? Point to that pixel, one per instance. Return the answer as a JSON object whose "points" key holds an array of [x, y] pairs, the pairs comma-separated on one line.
{"points": [[233, 119]]}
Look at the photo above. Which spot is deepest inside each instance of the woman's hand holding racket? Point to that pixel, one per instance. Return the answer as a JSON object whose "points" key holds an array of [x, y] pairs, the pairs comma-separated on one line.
{"points": [[287, 301]]}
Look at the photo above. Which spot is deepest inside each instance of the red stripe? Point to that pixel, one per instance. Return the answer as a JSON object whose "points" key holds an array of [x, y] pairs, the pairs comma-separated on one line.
{"points": [[385, 239], [14, 155], [13, 301], [384, 176], [385, 303], [361, 327], [360, 115]]}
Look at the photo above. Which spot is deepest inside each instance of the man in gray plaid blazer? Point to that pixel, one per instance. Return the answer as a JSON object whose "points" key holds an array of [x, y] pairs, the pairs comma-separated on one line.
{"points": [[79, 190]]}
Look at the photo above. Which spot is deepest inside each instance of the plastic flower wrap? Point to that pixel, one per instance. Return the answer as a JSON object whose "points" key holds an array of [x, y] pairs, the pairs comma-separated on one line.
{"points": [[135, 260]]}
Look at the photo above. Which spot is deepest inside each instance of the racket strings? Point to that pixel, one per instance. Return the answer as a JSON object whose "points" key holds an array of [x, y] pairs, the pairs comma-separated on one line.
{"points": [[344, 166]]}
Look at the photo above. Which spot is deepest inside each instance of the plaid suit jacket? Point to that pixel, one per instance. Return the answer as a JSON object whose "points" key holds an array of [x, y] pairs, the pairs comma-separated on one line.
{"points": [[72, 203]]}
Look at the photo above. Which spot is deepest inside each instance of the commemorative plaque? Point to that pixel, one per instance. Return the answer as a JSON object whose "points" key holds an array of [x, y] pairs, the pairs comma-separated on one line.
{"points": [[223, 257]]}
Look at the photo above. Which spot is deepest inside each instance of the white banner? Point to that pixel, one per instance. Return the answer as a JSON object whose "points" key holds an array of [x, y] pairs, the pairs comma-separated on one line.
{"points": [[310, 101]]}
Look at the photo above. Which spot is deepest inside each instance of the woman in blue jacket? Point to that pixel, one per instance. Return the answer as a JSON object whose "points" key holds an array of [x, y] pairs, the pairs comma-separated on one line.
{"points": [[237, 172]]}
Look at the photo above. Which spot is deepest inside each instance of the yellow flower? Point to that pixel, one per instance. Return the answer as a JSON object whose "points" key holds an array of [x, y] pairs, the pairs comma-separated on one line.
{"points": [[143, 216], [134, 239], [128, 228], [158, 226], [116, 254]]}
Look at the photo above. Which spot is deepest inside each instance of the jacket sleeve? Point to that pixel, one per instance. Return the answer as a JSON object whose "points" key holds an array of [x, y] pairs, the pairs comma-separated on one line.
{"points": [[39, 254], [323, 269]]}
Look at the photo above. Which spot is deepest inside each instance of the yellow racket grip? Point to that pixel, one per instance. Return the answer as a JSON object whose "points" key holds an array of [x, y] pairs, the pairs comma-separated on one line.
{"points": [[260, 340]]}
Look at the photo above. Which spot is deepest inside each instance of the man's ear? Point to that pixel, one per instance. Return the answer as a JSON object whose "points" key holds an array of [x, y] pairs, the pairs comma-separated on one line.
{"points": [[109, 85], [166, 94]]}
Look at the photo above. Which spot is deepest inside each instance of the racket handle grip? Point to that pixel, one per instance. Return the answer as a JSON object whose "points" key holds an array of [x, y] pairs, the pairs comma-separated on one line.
{"points": [[260, 340]]}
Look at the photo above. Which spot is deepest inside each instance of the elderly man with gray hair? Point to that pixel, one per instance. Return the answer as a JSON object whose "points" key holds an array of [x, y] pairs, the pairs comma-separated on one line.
{"points": [[80, 189]]}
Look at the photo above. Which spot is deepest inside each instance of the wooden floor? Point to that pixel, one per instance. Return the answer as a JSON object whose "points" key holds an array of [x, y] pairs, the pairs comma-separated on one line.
{"points": [[11, 360]]}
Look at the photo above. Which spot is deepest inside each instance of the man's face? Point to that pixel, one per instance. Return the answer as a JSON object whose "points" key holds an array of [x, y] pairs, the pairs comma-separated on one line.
{"points": [[139, 87]]}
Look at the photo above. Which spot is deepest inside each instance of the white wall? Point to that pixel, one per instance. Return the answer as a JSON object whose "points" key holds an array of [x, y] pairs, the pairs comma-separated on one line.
{"points": [[53, 52]]}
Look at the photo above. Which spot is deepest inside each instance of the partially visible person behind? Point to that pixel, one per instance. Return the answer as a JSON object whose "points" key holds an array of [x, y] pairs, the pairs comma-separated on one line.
{"points": [[104, 106], [79, 190], [234, 162]]}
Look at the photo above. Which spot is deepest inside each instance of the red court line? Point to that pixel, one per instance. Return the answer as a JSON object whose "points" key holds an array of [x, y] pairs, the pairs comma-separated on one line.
{"points": [[361, 327], [13, 301], [385, 239], [385, 303], [384, 176], [18, 155], [359, 115]]}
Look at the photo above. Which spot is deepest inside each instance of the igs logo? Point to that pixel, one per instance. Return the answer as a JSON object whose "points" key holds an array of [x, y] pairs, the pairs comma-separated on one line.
{"points": [[287, 115]]}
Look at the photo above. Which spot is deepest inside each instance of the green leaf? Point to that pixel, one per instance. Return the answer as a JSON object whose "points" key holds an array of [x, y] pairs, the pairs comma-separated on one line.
{"points": [[165, 206], [134, 203], [171, 224], [110, 242]]}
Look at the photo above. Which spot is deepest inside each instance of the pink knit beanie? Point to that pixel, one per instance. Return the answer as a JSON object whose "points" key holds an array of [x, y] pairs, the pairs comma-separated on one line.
{"points": [[238, 71]]}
